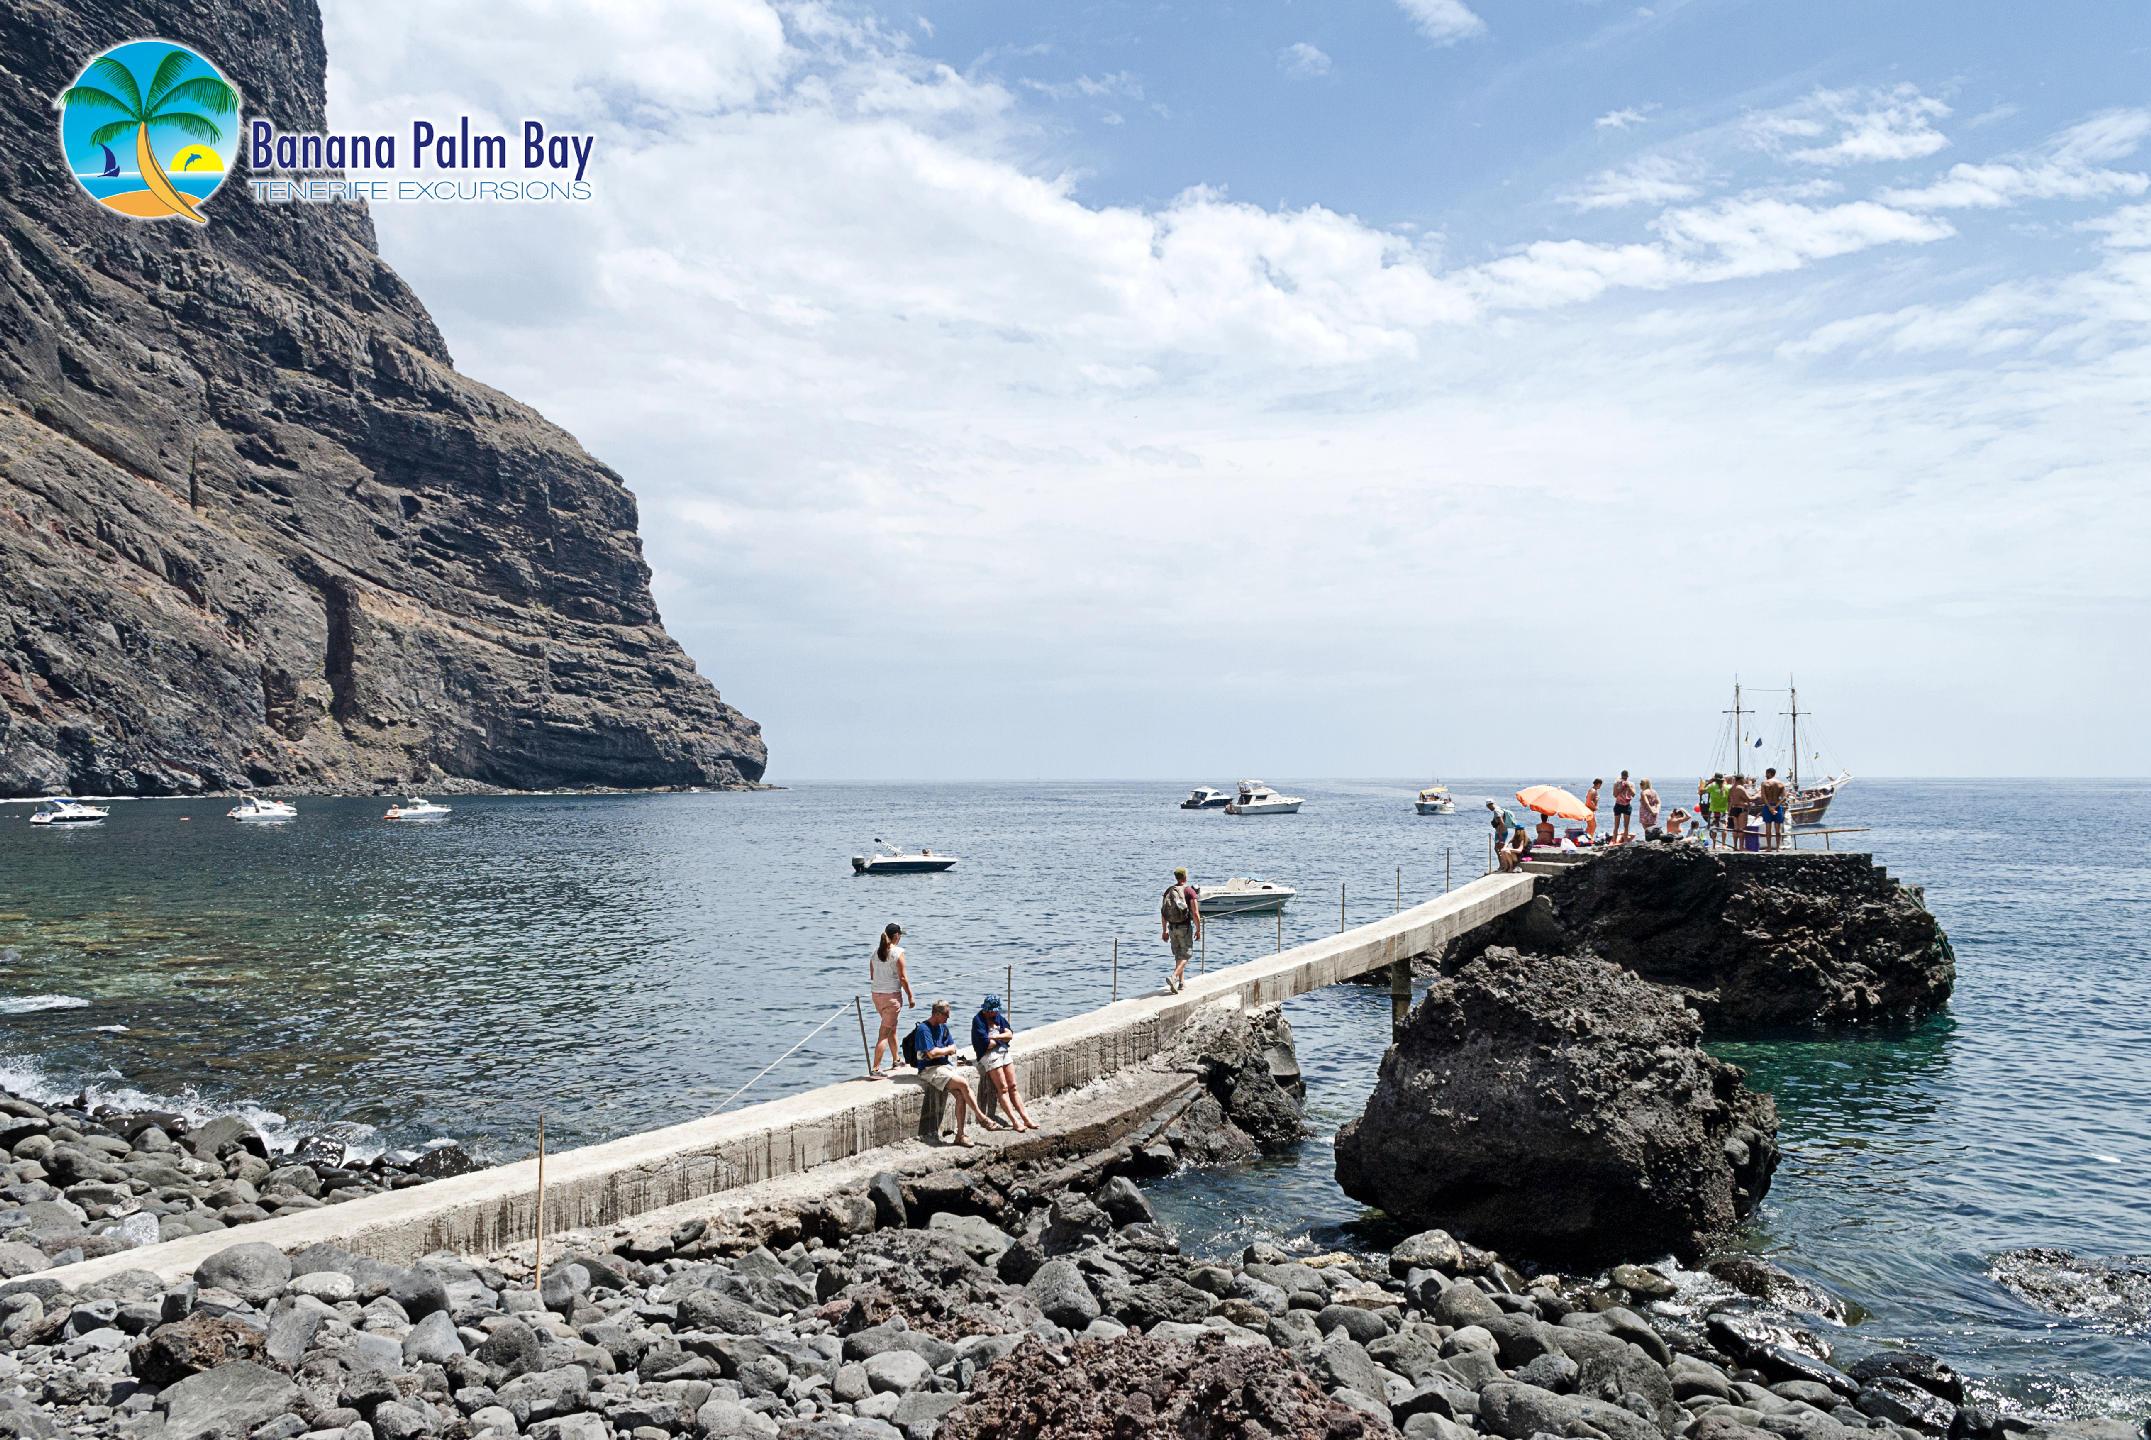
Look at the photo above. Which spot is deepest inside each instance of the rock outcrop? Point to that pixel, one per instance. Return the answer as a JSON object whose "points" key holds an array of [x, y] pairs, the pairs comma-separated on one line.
{"points": [[1562, 1108], [255, 530], [1756, 942], [1252, 1091]]}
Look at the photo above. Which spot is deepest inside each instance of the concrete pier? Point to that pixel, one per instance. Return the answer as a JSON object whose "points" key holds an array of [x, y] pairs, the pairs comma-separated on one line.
{"points": [[603, 1184]]}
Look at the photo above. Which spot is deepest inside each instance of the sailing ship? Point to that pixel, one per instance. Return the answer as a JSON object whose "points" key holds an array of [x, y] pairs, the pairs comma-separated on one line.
{"points": [[1806, 803]]}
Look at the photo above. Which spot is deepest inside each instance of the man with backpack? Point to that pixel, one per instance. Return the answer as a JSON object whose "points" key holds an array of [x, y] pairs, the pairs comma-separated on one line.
{"points": [[1180, 923]]}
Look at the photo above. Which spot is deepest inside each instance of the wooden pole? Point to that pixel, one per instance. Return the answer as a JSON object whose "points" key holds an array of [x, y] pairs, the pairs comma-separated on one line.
{"points": [[1340, 907], [1202, 950], [1445, 869], [1008, 992], [1116, 967], [1280, 929], [538, 1283], [860, 1010], [1400, 889]]}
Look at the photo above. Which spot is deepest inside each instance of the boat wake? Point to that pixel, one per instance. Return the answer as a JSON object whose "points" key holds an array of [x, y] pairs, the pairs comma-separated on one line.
{"points": [[31, 1004]]}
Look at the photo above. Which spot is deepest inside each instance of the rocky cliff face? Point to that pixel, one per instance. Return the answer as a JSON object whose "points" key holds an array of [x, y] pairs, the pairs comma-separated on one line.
{"points": [[254, 527], [1754, 942]]}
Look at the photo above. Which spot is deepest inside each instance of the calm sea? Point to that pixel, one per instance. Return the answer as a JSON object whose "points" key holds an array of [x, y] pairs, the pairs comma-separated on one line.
{"points": [[624, 962]]}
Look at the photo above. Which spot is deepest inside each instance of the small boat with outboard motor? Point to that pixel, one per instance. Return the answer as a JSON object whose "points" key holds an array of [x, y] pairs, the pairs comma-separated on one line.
{"points": [[1242, 896], [418, 807], [59, 810], [260, 807], [1435, 800], [889, 860]]}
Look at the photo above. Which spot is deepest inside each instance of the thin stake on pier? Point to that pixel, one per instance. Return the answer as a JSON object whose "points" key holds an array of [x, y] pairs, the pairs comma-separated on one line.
{"points": [[1202, 951], [1008, 992], [1280, 929], [1400, 889], [1444, 869], [1116, 967], [1340, 906], [538, 1281], [860, 1010]]}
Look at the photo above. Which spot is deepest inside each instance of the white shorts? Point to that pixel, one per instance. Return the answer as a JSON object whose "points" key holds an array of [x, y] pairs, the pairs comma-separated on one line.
{"points": [[993, 1060]]}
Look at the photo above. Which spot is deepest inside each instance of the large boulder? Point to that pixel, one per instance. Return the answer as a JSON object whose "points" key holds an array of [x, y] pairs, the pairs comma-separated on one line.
{"points": [[1138, 1386], [1248, 1066], [1559, 1107], [1794, 940]]}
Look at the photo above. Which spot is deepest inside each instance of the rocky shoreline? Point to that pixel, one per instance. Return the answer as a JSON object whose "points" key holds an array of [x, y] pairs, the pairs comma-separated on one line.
{"points": [[86, 1181], [984, 1303]]}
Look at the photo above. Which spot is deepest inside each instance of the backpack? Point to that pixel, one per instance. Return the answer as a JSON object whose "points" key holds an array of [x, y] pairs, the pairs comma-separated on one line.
{"points": [[909, 1045], [1177, 911]]}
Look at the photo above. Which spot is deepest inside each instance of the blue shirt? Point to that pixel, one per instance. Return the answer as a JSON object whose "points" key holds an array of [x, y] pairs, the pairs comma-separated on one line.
{"points": [[983, 1024], [930, 1036]]}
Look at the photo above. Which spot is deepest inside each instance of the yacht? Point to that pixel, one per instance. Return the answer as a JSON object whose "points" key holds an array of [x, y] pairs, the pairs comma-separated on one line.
{"points": [[1202, 797], [1435, 800], [1241, 896], [891, 861], [59, 810], [417, 807], [1256, 798], [256, 807]]}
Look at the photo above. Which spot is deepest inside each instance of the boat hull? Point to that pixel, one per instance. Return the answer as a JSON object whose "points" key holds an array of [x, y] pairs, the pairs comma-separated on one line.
{"points": [[1268, 807], [876, 865], [1218, 804], [1214, 906], [1434, 807]]}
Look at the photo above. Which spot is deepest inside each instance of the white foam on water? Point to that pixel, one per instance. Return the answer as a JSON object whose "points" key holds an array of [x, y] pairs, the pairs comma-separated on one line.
{"points": [[29, 1004], [24, 1076], [110, 1029]]}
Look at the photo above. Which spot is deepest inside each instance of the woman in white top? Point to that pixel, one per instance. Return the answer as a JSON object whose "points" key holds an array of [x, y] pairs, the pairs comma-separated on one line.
{"points": [[891, 984]]}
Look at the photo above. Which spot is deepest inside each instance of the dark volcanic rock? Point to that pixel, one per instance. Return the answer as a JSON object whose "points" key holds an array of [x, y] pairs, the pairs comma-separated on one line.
{"points": [[1759, 942], [1247, 1063], [254, 527], [1560, 1107], [1136, 1388], [2115, 1292]]}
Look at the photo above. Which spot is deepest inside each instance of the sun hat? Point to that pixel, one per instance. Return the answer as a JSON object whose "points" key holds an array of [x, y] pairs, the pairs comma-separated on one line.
{"points": [[993, 1002]]}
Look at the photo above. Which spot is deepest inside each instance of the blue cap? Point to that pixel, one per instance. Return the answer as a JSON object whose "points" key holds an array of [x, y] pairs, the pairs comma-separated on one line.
{"points": [[993, 1002]]}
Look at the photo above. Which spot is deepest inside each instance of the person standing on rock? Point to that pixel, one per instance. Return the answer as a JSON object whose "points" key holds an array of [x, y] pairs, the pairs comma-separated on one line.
{"points": [[1180, 924], [1624, 808], [1738, 800], [1649, 802], [1773, 798], [1714, 801], [933, 1045], [1590, 803], [891, 984]]}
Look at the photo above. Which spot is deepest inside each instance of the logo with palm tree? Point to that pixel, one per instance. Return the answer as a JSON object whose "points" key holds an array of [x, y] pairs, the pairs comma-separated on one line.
{"points": [[179, 113]]}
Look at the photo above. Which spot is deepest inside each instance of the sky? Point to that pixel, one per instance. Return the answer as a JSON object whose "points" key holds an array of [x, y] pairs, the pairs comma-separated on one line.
{"points": [[1371, 387]]}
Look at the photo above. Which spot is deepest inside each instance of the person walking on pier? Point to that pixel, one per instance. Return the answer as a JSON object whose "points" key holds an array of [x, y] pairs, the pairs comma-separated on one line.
{"points": [[1180, 924], [1590, 803], [1773, 798], [1624, 808], [990, 1037], [1650, 804], [891, 984], [932, 1045]]}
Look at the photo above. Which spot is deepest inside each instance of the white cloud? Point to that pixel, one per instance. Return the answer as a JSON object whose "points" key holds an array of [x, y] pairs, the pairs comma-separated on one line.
{"points": [[1854, 127], [1652, 180], [1443, 21], [2067, 167], [1301, 58], [1625, 118]]}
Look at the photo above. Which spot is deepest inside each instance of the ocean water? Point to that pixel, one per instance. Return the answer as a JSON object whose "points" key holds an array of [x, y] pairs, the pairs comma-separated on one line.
{"points": [[627, 961]]}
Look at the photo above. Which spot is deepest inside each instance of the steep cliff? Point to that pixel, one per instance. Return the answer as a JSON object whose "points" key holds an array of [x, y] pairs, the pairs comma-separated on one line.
{"points": [[254, 527]]}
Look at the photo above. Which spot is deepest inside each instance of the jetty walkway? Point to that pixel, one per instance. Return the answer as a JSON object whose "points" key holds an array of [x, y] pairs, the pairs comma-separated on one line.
{"points": [[597, 1185]]}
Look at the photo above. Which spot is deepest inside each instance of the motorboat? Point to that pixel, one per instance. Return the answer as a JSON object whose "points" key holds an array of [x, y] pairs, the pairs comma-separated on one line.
{"points": [[257, 807], [59, 810], [1202, 797], [1242, 896], [891, 861], [417, 807], [1435, 800], [1256, 798]]}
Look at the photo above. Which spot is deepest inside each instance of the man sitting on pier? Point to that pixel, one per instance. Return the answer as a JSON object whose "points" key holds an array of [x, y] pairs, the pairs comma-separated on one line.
{"points": [[931, 1046]]}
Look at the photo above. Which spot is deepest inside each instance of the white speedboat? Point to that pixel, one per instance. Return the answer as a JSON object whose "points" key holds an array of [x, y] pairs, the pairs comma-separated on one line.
{"points": [[257, 807], [1435, 800], [1202, 797], [58, 810], [417, 807], [1241, 896], [1256, 798], [890, 861]]}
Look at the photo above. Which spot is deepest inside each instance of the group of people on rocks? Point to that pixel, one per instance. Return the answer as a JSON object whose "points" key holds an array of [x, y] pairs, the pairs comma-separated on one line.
{"points": [[931, 1048], [1723, 808]]}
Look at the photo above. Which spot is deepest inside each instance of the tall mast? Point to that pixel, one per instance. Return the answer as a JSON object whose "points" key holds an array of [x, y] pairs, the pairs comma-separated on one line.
{"points": [[1739, 755], [1795, 693]]}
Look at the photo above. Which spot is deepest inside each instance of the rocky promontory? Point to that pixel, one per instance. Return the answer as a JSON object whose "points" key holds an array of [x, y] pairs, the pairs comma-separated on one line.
{"points": [[1786, 941], [1561, 1107], [255, 529]]}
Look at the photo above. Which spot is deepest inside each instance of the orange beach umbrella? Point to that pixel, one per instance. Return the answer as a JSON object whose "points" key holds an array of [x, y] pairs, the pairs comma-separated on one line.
{"points": [[1554, 802]]}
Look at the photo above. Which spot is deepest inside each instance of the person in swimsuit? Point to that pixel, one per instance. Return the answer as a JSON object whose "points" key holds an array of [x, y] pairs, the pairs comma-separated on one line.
{"points": [[1590, 803], [1773, 796], [1648, 802], [1624, 808], [891, 984], [1738, 800]]}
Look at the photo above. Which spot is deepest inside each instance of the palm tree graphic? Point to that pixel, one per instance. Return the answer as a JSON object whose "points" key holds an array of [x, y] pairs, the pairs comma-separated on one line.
{"points": [[171, 104]]}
